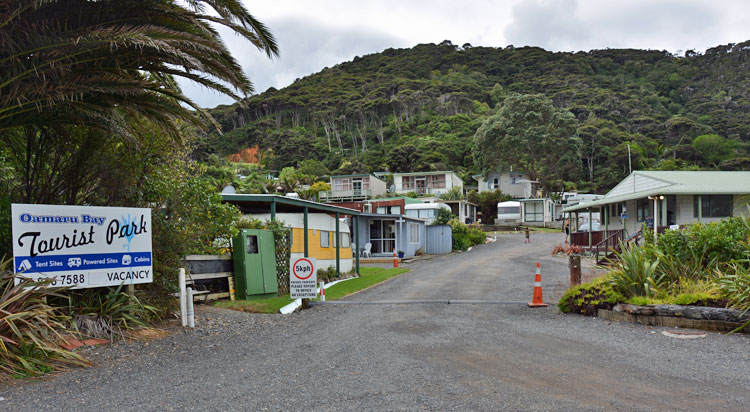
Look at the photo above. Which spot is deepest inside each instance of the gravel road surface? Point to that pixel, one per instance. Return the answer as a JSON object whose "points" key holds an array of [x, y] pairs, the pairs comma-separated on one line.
{"points": [[462, 357]]}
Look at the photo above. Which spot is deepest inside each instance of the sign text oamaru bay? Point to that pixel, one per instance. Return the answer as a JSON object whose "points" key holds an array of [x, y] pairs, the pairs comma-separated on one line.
{"points": [[82, 246]]}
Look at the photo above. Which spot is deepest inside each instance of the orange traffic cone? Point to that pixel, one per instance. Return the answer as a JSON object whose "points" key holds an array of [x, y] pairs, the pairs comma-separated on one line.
{"points": [[395, 259], [537, 302]]}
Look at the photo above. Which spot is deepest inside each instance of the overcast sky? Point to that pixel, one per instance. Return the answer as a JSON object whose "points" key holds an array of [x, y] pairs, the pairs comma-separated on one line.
{"points": [[322, 33]]}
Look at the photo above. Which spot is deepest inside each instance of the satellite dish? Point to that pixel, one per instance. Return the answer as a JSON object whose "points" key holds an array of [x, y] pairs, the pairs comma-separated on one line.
{"points": [[392, 189], [228, 190]]}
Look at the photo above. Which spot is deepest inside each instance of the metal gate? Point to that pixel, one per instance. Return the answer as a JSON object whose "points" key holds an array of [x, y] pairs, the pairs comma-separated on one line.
{"points": [[439, 239]]}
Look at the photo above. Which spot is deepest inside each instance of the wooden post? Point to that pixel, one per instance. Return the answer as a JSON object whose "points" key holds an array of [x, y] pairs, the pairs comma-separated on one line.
{"points": [[574, 263], [591, 226], [700, 207], [231, 288], [273, 210]]}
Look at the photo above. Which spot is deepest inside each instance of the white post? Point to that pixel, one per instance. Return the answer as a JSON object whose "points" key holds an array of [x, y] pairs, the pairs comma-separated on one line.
{"points": [[656, 217], [322, 291], [183, 301], [190, 308]]}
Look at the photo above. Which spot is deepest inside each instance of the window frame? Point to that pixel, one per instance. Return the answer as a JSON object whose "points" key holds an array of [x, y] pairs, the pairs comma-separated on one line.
{"points": [[327, 238], [414, 229], [710, 199]]}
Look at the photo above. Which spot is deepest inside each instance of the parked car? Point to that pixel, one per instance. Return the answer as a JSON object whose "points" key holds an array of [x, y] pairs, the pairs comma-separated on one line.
{"points": [[585, 227]]}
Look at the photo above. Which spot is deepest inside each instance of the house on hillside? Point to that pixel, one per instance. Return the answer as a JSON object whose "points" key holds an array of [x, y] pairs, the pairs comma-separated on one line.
{"points": [[514, 184], [663, 199], [353, 188], [426, 183]]}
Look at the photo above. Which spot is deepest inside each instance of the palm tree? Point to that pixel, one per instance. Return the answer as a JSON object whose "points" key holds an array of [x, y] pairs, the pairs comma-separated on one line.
{"points": [[101, 63]]}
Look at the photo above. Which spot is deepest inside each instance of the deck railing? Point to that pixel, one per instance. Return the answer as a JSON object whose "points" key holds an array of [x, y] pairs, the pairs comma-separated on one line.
{"points": [[611, 242], [345, 194]]}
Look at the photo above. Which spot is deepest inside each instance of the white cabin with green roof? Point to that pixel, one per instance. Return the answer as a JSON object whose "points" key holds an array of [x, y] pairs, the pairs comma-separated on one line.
{"points": [[668, 198]]}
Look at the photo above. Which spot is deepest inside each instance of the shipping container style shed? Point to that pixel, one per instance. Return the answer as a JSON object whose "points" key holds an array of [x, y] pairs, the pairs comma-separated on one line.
{"points": [[261, 204]]}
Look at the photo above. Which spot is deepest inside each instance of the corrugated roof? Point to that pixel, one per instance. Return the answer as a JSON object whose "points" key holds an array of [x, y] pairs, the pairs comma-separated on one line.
{"points": [[357, 175], [649, 183]]}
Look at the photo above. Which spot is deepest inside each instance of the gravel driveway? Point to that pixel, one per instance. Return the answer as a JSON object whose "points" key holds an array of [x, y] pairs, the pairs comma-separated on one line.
{"points": [[413, 357]]}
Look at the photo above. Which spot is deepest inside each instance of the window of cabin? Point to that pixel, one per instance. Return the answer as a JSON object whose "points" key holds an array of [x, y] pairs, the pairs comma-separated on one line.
{"points": [[413, 232], [642, 209], [713, 205]]}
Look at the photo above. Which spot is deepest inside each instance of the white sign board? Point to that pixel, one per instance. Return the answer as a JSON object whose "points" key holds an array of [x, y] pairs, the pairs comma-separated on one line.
{"points": [[82, 246], [303, 278]]}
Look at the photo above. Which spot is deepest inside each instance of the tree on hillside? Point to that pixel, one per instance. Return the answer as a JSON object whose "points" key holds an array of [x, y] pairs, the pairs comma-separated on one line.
{"points": [[713, 148], [405, 158], [528, 132]]}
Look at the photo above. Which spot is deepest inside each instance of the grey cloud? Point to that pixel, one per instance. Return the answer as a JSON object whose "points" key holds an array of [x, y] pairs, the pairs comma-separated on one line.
{"points": [[574, 25], [549, 24], [304, 47]]}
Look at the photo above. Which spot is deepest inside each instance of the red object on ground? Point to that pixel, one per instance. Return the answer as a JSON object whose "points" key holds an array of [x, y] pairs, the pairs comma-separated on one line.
{"points": [[395, 259], [71, 344], [94, 342], [537, 301]]}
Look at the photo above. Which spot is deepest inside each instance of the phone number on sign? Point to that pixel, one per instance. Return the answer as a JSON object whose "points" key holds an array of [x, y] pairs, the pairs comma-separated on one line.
{"points": [[69, 280], [63, 280]]}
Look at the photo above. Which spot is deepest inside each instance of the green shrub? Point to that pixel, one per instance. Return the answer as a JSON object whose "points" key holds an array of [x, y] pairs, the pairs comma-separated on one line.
{"points": [[443, 216], [635, 273], [464, 236], [476, 236], [734, 283], [705, 244], [108, 312], [328, 274], [30, 330], [588, 298]]}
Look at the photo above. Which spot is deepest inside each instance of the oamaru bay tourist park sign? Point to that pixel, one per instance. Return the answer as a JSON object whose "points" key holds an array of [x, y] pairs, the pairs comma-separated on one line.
{"points": [[82, 246]]}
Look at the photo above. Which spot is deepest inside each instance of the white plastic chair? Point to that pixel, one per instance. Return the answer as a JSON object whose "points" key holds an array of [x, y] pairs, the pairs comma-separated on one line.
{"points": [[366, 250]]}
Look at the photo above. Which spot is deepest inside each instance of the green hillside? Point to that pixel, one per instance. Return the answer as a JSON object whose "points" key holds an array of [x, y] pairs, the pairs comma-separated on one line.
{"points": [[418, 109]]}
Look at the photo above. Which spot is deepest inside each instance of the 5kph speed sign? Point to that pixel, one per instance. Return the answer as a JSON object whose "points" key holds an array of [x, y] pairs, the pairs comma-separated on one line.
{"points": [[303, 278]]}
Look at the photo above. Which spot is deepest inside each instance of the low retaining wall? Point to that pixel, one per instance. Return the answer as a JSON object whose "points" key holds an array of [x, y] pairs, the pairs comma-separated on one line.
{"points": [[688, 317]]}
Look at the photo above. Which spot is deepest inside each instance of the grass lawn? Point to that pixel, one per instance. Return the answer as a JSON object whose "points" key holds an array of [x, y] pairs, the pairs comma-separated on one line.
{"points": [[267, 305], [369, 276]]}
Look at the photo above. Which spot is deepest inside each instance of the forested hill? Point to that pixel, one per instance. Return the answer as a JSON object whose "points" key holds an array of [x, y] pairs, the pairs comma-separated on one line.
{"points": [[418, 109]]}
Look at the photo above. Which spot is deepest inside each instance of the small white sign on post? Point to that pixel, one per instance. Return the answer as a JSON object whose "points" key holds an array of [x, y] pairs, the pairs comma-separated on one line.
{"points": [[82, 246], [303, 278]]}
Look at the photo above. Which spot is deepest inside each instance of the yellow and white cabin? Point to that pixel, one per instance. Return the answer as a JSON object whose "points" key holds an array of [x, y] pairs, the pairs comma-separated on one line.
{"points": [[321, 237]]}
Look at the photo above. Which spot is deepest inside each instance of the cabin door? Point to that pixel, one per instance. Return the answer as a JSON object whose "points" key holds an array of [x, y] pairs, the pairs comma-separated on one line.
{"points": [[421, 185]]}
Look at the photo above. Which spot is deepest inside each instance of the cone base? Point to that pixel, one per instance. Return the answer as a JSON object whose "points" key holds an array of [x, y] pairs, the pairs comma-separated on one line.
{"points": [[537, 305]]}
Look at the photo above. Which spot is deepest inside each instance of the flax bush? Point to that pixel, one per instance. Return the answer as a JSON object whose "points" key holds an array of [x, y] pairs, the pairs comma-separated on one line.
{"points": [[30, 330]]}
